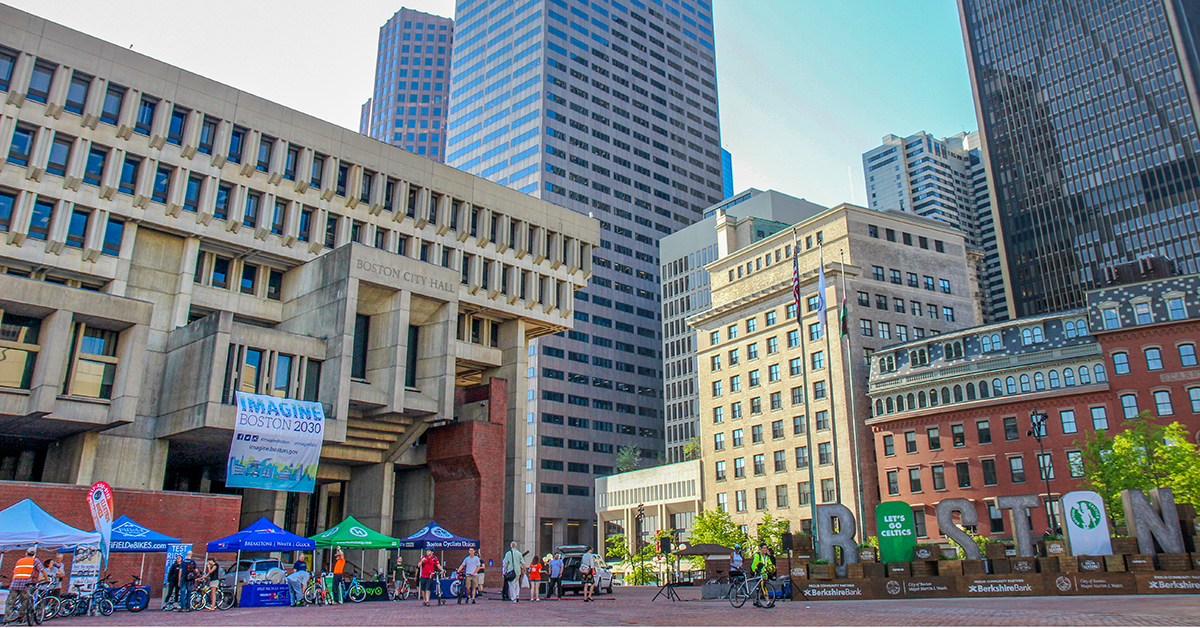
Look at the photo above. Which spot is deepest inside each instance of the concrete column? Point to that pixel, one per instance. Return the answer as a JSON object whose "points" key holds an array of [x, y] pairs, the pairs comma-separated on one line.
{"points": [[51, 366], [370, 495], [258, 503], [519, 524]]}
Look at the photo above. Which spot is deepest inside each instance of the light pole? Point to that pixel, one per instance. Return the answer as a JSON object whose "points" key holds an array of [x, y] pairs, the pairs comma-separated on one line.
{"points": [[1038, 431]]}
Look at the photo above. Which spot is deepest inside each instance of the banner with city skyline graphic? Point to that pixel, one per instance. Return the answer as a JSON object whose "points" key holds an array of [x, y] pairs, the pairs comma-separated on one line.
{"points": [[276, 444]]}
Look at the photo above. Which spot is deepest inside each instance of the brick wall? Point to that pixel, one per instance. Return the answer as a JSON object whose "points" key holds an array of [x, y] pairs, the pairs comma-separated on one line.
{"points": [[195, 518]]}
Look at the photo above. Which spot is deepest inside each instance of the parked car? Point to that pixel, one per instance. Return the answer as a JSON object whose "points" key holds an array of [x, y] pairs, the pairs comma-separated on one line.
{"points": [[572, 555], [265, 569]]}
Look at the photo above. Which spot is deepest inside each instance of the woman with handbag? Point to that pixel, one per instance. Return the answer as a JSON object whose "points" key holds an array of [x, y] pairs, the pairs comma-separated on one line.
{"points": [[587, 574]]}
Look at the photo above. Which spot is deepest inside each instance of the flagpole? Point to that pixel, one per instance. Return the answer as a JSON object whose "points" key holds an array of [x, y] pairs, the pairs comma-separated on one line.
{"points": [[849, 359], [812, 480]]}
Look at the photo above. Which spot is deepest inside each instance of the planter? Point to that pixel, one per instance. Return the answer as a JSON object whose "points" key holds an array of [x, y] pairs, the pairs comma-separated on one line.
{"points": [[899, 570], [1124, 545], [821, 572], [995, 550], [926, 552], [868, 555], [1048, 564], [802, 543], [1070, 564], [1053, 548], [975, 567], [855, 571], [999, 566], [1174, 562], [1114, 563], [1023, 566], [800, 572], [950, 567], [1139, 562], [923, 568], [1090, 564], [874, 570]]}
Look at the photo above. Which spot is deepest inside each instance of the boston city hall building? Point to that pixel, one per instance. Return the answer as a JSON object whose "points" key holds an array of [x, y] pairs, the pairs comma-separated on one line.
{"points": [[167, 241]]}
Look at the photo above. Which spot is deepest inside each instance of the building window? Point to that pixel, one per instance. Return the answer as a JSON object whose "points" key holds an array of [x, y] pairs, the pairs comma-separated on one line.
{"points": [[877, 273], [362, 332], [889, 444], [1129, 406], [1111, 319], [957, 432], [92, 365], [801, 457], [867, 327], [1068, 421], [1045, 467], [935, 438], [760, 465], [740, 496], [739, 467], [1142, 313], [723, 502], [1194, 396], [893, 482], [945, 285], [914, 480], [1187, 355], [828, 491], [18, 350], [720, 470], [983, 431], [1176, 309], [1100, 417], [1010, 429], [939, 477], [989, 471], [1016, 467], [1154, 359], [910, 442], [963, 470], [824, 453], [1162, 403], [819, 390], [781, 496]]}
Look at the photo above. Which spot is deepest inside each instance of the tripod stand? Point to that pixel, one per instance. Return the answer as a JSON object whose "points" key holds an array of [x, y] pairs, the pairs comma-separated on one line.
{"points": [[668, 588]]}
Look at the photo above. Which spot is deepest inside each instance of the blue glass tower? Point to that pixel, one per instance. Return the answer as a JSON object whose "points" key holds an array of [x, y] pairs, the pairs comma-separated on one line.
{"points": [[727, 173], [608, 108]]}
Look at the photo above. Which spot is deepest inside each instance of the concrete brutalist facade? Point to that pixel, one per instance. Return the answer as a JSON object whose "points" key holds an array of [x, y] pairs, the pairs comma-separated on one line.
{"points": [[181, 240]]}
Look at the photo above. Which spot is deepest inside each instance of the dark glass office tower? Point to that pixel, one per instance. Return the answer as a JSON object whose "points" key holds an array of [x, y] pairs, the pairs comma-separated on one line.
{"points": [[1088, 113], [607, 108]]}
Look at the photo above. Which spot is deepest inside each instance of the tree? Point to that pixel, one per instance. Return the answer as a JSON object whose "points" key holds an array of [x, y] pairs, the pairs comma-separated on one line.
{"points": [[770, 531], [715, 526], [691, 449], [1143, 455], [628, 458], [616, 549]]}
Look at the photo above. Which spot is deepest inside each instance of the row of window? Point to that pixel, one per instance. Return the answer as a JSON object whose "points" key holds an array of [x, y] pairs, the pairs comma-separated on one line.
{"points": [[1143, 313], [775, 401], [983, 431], [92, 356], [782, 497], [608, 363], [596, 382], [987, 473], [921, 241], [47, 212], [1011, 385], [778, 431], [894, 276]]}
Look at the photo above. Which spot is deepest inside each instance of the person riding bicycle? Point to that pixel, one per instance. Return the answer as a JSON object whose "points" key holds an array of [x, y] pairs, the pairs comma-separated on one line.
{"points": [[28, 571]]}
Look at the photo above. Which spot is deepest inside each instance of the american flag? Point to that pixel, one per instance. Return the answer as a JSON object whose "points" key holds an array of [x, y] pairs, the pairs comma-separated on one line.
{"points": [[796, 278]]}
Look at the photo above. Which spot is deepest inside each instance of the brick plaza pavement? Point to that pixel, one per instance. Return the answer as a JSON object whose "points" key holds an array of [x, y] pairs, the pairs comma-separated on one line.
{"points": [[632, 606]]}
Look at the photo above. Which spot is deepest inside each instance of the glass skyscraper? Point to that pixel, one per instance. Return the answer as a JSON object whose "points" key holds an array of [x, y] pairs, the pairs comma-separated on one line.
{"points": [[412, 82], [1088, 112], [607, 108]]}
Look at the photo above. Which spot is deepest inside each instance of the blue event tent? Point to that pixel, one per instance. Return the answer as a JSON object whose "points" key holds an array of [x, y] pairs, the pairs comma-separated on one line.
{"points": [[262, 536], [434, 536], [131, 536]]}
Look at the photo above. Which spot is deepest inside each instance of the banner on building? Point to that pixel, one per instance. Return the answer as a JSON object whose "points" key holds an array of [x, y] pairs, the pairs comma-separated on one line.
{"points": [[276, 444], [1086, 524], [85, 569], [100, 502], [897, 532]]}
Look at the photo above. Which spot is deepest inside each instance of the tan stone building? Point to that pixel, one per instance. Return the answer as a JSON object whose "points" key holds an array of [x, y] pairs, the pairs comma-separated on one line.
{"points": [[781, 415], [166, 241], [669, 494]]}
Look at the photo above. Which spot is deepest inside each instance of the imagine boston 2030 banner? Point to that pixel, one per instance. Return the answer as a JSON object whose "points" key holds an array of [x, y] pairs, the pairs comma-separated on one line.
{"points": [[276, 444]]}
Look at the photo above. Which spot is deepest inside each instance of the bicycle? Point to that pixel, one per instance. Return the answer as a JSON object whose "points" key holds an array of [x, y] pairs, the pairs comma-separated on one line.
{"points": [[355, 591], [757, 588], [202, 600], [135, 600], [30, 608], [77, 603], [315, 592], [401, 589]]}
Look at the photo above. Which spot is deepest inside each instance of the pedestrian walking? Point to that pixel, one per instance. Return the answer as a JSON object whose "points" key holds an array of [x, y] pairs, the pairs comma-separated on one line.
{"points": [[514, 568], [339, 568], [535, 579], [587, 574], [428, 566], [188, 572], [555, 567], [470, 567]]}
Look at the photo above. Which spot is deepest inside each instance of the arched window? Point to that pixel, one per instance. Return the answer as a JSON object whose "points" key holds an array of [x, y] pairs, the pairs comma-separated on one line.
{"points": [[983, 390], [997, 390], [882, 365], [1010, 383], [921, 399], [911, 399], [948, 350], [899, 403], [1068, 377], [1054, 381], [1081, 328], [891, 405], [996, 342], [1025, 383], [1069, 326], [1037, 334], [970, 391], [933, 398], [913, 358], [945, 395], [1026, 336], [891, 362], [1101, 376], [986, 341], [958, 349], [878, 407], [1039, 381], [958, 394], [1085, 375]]}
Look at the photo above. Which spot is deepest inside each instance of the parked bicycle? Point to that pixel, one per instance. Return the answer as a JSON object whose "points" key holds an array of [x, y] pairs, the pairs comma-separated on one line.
{"points": [[316, 591], [757, 588], [80, 603], [401, 588], [135, 600], [203, 600], [352, 590]]}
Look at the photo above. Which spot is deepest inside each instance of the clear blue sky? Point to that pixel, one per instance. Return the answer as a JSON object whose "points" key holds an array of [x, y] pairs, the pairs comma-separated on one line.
{"points": [[806, 86]]}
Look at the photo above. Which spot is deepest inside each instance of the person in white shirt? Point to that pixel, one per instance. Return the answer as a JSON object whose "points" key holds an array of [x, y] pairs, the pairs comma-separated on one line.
{"points": [[514, 561], [587, 574], [470, 569], [735, 562]]}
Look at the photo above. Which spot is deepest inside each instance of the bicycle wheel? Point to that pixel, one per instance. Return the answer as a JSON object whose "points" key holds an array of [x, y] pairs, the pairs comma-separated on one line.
{"points": [[137, 601], [765, 597], [39, 613], [225, 600], [357, 593], [310, 595], [105, 606], [407, 590], [66, 607], [196, 601], [53, 605], [739, 595]]}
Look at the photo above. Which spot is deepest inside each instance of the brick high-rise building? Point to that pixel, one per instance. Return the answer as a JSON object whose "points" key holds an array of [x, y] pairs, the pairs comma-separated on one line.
{"points": [[608, 109], [407, 107], [1088, 114]]}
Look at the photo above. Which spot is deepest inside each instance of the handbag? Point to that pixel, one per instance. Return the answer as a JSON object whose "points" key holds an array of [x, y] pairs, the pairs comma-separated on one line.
{"points": [[510, 575]]}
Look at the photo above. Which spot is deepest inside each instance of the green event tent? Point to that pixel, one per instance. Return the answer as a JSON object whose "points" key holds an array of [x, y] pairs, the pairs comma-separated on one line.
{"points": [[352, 534]]}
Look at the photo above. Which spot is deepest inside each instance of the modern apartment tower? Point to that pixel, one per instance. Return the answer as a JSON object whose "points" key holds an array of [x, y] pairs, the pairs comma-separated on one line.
{"points": [[727, 173], [945, 180], [686, 292], [608, 109], [1088, 115], [412, 84]]}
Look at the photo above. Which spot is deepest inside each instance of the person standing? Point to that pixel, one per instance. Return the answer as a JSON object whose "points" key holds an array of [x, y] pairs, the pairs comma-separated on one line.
{"points": [[735, 563], [339, 568], [555, 567], [173, 574], [212, 578], [27, 571], [188, 572], [763, 566], [587, 574], [535, 579], [514, 568], [56, 573], [297, 580], [470, 569], [428, 567]]}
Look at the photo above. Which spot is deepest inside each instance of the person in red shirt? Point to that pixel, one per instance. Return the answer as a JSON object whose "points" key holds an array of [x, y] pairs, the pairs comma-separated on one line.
{"points": [[535, 579], [429, 567]]}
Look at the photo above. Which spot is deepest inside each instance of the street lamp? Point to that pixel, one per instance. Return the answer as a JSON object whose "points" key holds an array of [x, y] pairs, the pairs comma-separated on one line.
{"points": [[1038, 423]]}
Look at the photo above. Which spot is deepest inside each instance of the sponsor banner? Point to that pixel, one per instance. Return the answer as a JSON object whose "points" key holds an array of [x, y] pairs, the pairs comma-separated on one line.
{"points": [[1113, 583], [376, 591], [897, 532], [264, 595], [1000, 586], [1086, 524], [911, 588], [833, 590], [85, 569], [276, 444], [1168, 583], [100, 503]]}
